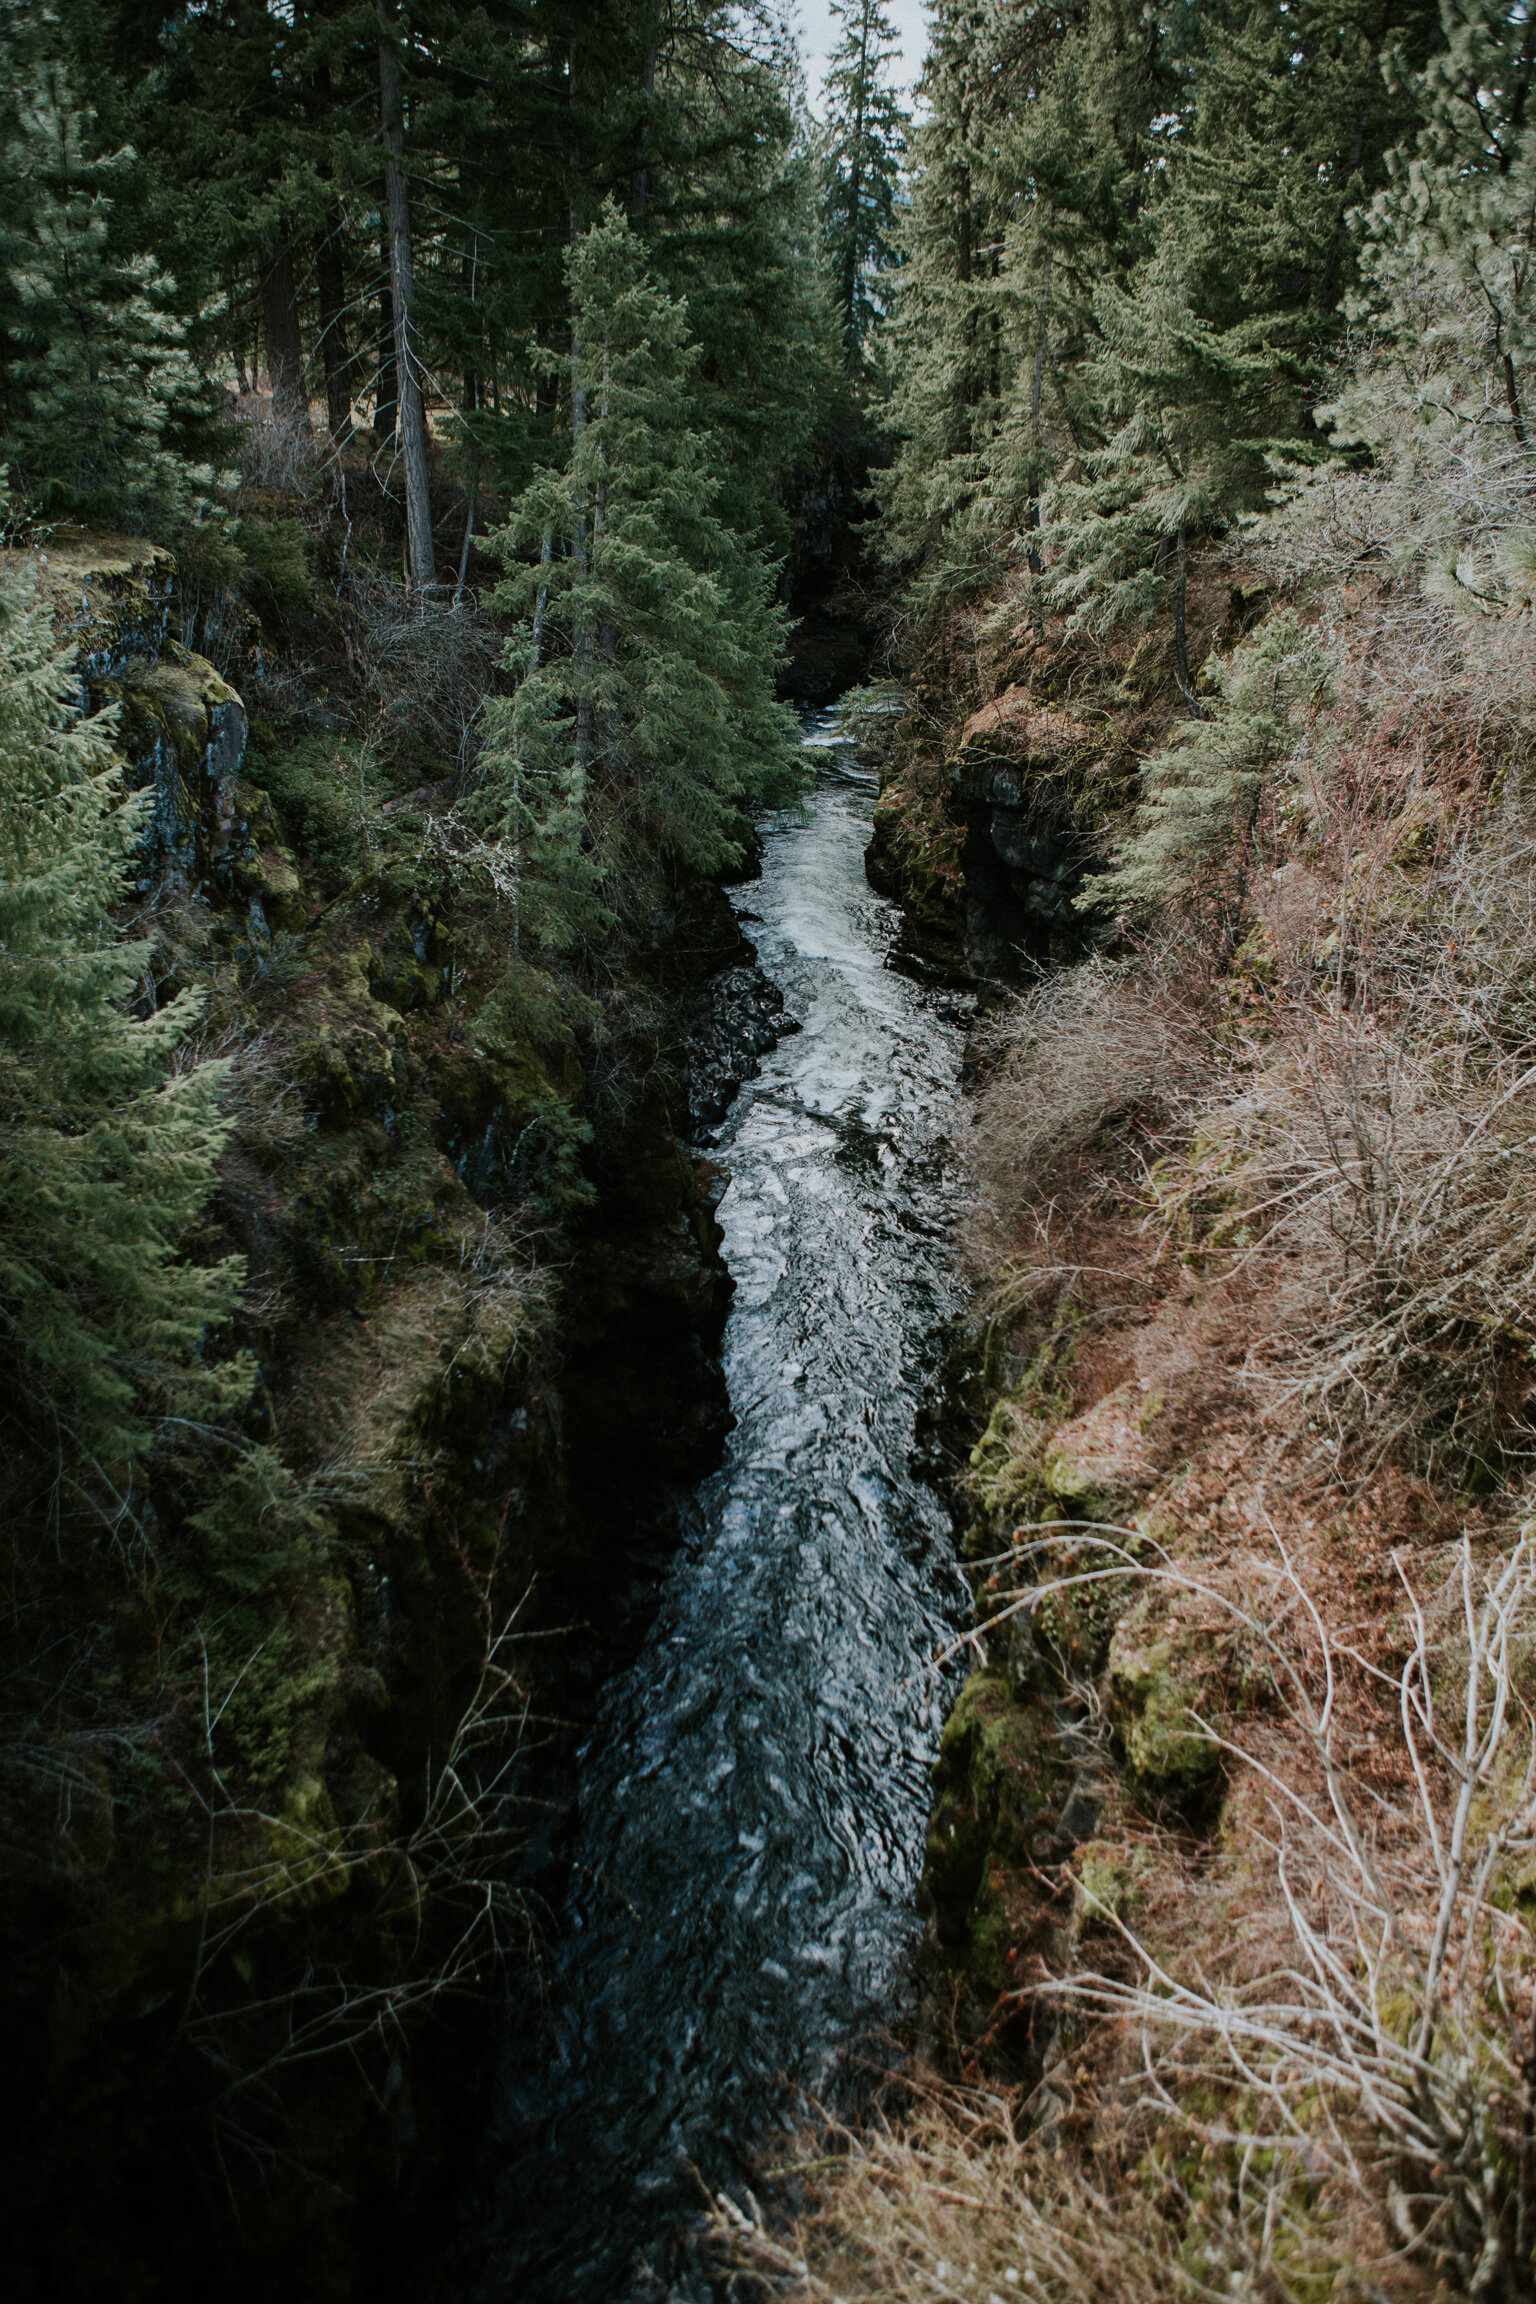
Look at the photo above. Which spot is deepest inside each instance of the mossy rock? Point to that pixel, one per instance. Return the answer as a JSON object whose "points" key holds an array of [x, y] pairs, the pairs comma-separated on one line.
{"points": [[1099, 1465], [112, 596], [1157, 1689], [1000, 1778], [267, 875], [182, 729], [344, 1078], [1113, 1878]]}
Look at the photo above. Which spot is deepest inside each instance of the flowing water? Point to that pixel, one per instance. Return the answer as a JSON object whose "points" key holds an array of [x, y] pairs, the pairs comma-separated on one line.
{"points": [[754, 1795]]}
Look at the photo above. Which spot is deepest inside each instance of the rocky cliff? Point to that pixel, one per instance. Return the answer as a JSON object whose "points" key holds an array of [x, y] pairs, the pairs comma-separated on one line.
{"points": [[255, 1893]]}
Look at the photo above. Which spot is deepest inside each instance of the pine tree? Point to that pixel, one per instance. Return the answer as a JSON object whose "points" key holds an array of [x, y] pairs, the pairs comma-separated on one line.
{"points": [[1209, 355], [1194, 423], [1030, 175], [99, 399], [866, 140], [106, 1155], [1200, 825], [1449, 257], [652, 717]]}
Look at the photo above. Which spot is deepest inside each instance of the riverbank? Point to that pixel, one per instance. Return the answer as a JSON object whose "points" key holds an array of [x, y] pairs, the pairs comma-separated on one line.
{"points": [[268, 1815], [1213, 2001]]}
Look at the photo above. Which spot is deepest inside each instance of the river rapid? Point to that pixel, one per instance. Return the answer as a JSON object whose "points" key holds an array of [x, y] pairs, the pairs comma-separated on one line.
{"points": [[753, 1798]]}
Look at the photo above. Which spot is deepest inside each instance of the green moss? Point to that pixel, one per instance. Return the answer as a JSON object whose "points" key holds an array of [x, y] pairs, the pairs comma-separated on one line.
{"points": [[1112, 1878], [1006, 1469], [1000, 1778], [1155, 1698]]}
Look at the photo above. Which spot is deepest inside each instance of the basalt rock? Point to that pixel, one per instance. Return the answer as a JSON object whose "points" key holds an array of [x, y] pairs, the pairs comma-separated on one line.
{"points": [[740, 1017], [181, 728], [1018, 778]]}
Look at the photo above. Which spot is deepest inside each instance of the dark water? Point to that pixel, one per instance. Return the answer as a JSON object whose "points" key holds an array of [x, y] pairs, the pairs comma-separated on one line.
{"points": [[754, 1797]]}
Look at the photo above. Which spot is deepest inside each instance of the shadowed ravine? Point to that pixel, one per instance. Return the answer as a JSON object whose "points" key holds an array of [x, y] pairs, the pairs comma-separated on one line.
{"points": [[753, 1799]]}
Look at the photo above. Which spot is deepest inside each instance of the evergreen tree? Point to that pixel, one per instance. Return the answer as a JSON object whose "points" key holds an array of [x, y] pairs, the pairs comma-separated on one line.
{"points": [[1449, 261], [653, 717], [1209, 355], [1199, 829], [100, 403], [1192, 406], [106, 1156], [1030, 174], [866, 138]]}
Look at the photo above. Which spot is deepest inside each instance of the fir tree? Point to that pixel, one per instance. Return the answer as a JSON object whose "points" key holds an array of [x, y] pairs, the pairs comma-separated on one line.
{"points": [[652, 718], [1199, 828], [99, 398], [106, 1155], [1192, 411], [1030, 174], [1449, 257], [866, 138]]}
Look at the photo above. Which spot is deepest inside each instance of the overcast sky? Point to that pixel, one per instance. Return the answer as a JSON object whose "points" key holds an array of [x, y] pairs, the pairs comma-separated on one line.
{"points": [[818, 34]]}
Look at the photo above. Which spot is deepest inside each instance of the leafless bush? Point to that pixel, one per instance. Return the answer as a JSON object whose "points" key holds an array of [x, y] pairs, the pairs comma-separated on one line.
{"points": [[445, 1890], [1359, 2107], [277, 449], [960, 2201], [467, 857], [1082, 1063], [1362, 1144], [1392, 2054], [279, 688], [428, 669], [1076, 1060]]}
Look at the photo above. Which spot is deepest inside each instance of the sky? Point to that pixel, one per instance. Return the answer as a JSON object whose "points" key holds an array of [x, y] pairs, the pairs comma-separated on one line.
{"points": [[819, 31]]}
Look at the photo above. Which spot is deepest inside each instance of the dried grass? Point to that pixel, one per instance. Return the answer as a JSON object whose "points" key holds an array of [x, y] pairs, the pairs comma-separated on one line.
{"points": [[1342, 1115], [1334, 2096]]}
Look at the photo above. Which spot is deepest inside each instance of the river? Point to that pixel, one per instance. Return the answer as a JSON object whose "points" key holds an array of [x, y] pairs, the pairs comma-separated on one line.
{"points": [[754, 1795]]}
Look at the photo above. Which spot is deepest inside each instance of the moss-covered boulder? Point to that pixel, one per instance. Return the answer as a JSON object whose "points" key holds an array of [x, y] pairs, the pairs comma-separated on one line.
{"points": [[114, 597], [181, 727], [1002, 1782], [1159, 1680], [1098, 1466], [914, 856]]}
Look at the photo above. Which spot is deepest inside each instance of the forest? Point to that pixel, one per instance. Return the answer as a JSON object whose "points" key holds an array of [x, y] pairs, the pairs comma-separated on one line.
{"points": [[447, 453]]}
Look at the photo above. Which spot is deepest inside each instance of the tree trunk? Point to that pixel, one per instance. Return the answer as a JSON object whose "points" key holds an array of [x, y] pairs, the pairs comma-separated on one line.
{"points": [[1036, 452], [850, 282], [541, 605], [285, 344], [579, 552], [386, 396], [1181, 634], [331, 279], [412, 416], [639, 181]]}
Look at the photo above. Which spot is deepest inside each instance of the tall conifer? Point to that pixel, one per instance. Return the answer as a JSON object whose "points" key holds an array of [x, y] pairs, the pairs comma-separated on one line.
{"points": [[99, 398], [866, 138], [106, 1153], [654, 716]]}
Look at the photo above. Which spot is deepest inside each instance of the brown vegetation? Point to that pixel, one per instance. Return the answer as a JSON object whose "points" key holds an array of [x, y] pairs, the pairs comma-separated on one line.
{"points": [[1235, 1849]]}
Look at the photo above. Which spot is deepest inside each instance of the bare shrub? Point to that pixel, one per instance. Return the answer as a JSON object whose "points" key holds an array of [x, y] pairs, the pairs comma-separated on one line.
{"points": [[427, 668], [1363, 1145], [959, 2199], [1391, 2053], [277, 449], [1353, 2108], [1078, 1064], [443, 1892]]}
